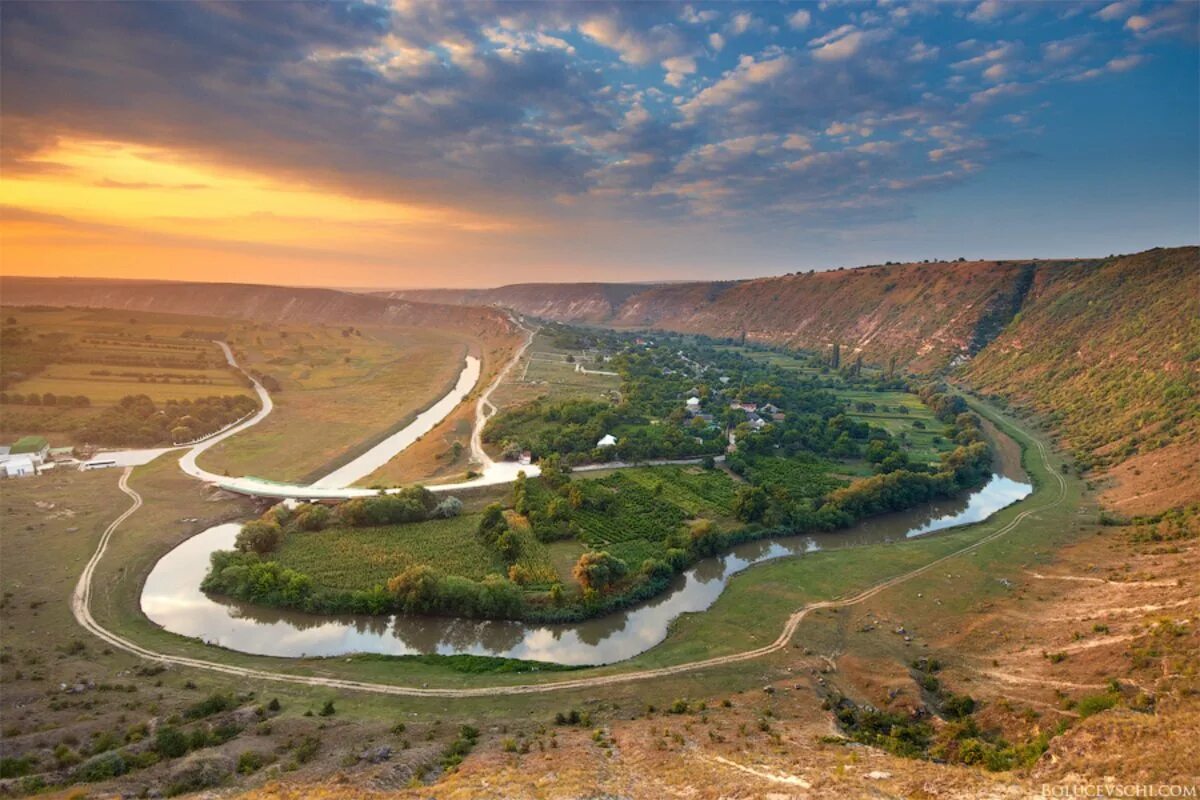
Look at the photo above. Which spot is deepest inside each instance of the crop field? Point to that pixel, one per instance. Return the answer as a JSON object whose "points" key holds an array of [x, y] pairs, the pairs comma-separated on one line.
{"points": [[358, 558], [628, 520], [696, 491], [443, 454], [923, 444], [335, 390], [802, 477], [545, 372], [104, 355]]}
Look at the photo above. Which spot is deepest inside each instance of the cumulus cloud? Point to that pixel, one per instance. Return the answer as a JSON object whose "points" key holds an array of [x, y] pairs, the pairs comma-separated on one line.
{"points": [[800, 20], [678, 68]]}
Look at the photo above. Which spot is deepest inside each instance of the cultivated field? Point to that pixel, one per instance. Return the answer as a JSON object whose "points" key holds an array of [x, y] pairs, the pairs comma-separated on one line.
{"points": [[336, 390], [104, 355], [545, 372]]}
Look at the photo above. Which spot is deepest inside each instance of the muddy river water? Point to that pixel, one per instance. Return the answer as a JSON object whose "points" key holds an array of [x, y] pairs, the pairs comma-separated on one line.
{"points": [[172, 598]]}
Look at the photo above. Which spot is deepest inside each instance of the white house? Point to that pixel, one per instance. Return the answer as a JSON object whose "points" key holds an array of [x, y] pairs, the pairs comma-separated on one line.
{"points": [[19, 466], [693, 404], [607, 440]]}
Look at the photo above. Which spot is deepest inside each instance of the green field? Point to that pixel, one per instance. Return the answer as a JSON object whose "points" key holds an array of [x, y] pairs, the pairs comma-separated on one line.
{"points": [[923, 444], [357, 558]]}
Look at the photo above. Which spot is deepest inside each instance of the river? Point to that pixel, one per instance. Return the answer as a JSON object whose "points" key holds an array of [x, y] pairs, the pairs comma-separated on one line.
{"points": [[172, 598]]}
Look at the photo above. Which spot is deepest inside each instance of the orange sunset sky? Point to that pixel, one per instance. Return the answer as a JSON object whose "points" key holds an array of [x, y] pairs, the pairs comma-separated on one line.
{"points": [[399, 143]]}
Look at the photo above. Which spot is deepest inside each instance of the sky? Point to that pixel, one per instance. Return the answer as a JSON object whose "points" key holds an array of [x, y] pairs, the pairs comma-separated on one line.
{"points": [[411, 144]]}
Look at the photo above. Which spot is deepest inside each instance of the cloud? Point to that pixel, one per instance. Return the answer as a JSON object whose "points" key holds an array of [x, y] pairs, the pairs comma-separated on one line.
{"points": [[741, 23], [987, 11], [844, 42], [1117, 10], [693, 17], [678, 68], [800, 20], [1119, 64], [716, 41]]}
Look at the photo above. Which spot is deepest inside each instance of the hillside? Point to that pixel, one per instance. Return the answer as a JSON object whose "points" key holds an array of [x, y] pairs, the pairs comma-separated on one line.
{"points": [[924, 315], [1111, 353], [248, 301]]}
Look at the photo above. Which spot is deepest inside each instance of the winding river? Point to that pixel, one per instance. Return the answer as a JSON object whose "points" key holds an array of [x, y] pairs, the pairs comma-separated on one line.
{"points": [[171, 597]]}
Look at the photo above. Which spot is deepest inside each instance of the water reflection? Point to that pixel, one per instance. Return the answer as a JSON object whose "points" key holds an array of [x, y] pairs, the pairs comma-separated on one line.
{"points": [[172, 599]]}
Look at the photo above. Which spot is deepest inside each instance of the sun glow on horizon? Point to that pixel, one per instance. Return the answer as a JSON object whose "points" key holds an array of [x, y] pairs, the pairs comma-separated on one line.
{"points": [[90, 207]]}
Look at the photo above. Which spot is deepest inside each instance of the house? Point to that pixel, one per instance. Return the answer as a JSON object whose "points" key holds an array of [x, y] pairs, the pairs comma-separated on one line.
{"points": [[526, 458], [779, 416], [693, 404], [19, 466], [607, 440], [36, 447], [770, 408], [756, 422], [724, 379], [749, 408]]}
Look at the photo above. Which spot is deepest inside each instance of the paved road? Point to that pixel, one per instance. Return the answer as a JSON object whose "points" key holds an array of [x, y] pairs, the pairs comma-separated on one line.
{"points": [[81, 599]]}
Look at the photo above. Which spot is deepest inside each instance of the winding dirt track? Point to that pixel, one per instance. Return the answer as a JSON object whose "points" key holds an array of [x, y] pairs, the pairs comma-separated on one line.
{"points": [[81, 599]]}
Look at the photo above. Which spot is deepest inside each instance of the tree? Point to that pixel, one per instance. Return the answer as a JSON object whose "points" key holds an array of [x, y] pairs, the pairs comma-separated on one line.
{"points": [[520, 495], [259, 537], [596, 571], [835, 360], [492, 524], [750, 504]]}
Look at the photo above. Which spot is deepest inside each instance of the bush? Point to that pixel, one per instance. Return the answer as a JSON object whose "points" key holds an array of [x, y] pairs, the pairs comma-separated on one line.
{"points": [[101, 768], [215, 703], [170, 742], [199, 772]]}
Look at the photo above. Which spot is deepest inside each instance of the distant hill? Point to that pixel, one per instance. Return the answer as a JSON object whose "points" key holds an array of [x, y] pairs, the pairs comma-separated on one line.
{"points": [[925, 315], [249, 301], [563, 302]]}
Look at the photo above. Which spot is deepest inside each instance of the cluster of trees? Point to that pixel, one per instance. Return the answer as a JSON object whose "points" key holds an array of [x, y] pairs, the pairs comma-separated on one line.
{"points": [[420, 589], [47, 399], [412, 504], [138, 421]]}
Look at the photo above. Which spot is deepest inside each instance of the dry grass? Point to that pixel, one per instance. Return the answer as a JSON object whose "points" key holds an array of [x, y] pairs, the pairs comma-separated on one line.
{"points": [[337, 392]]}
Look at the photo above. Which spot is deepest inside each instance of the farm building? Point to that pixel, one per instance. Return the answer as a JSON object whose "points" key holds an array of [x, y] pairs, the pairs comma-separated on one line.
{"points": [[19, 466], [36, 447]]}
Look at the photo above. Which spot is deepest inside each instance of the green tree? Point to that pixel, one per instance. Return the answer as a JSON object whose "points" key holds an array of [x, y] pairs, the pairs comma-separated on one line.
{"points": [[596, 571], [259, 536]]}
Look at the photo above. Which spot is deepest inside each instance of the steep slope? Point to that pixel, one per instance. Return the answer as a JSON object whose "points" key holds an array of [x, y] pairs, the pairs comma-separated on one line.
{"points": [[924, 315], [1111, 353], [247, 301]]}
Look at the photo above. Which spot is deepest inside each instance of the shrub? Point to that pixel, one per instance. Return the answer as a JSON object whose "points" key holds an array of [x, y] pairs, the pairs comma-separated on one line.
{"points": [[101, 768], [170, 742]]}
